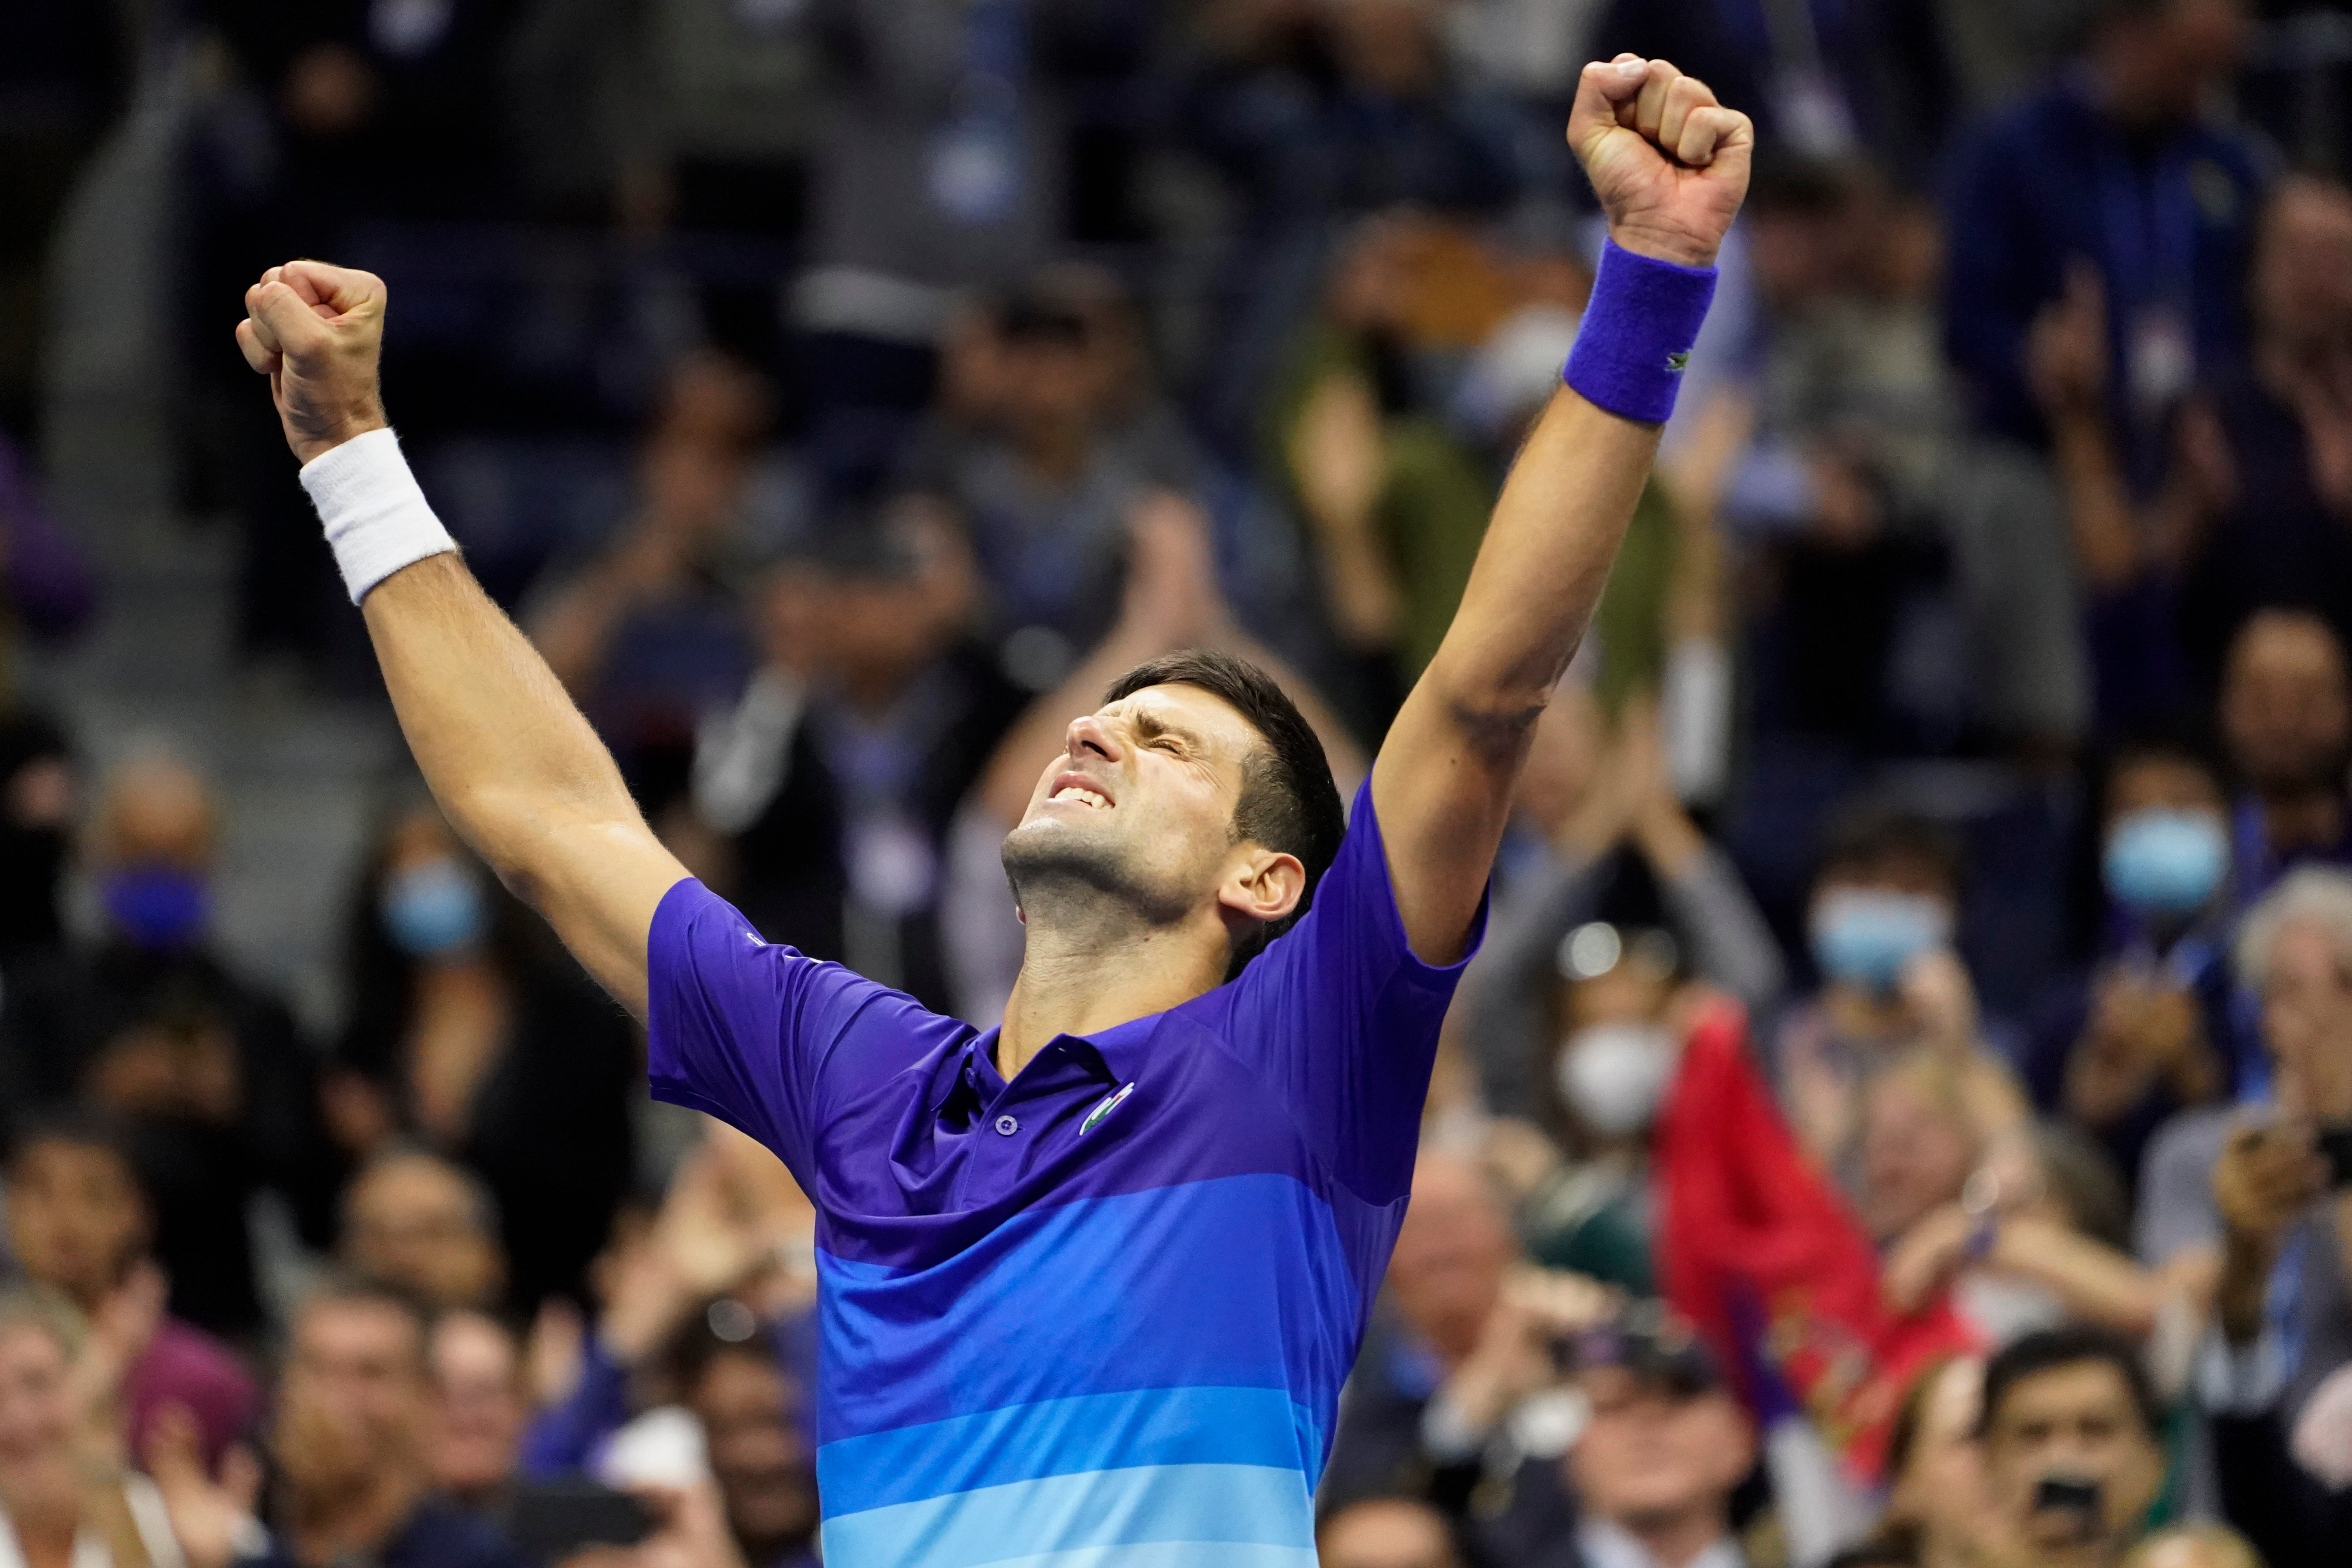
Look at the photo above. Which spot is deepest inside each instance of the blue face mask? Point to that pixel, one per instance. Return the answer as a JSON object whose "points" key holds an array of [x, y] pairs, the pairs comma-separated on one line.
{"points": [[1866, 937], [157, 907], [2166, 862], [434, 909]]}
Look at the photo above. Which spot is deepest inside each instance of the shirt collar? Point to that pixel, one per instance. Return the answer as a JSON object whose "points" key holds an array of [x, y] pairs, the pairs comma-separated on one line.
{"points": [[1114, 1055]]}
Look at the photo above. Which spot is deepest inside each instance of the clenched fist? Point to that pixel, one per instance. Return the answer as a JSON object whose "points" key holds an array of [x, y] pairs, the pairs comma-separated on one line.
{"points": [[317, 332], [1669, 164]]}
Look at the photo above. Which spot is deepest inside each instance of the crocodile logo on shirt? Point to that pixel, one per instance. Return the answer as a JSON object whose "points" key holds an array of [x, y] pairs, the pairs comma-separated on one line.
{"points": [[1095, 1115]]}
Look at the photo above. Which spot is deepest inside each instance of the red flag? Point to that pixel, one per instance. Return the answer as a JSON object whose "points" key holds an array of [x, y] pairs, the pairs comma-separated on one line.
{"points": [[1762, 1255]]}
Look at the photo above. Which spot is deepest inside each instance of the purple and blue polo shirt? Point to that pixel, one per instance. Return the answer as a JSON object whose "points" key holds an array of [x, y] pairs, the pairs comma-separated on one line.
{"points": [[1100, 1314]]}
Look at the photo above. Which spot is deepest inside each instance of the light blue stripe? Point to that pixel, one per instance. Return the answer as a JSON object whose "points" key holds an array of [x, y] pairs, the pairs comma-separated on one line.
{"points": [[1171, 1554], [1144, 1427], [1159, 1504]]}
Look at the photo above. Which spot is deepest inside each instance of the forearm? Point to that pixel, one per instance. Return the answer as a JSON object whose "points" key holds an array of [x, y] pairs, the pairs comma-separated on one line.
{"points": [[2093, 1282], [522, 777], [2246, 1264], [2098, 506]]}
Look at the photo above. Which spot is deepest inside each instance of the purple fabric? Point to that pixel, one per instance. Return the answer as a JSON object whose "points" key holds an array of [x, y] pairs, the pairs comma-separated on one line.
{"points": [[48, 581], [1637, 334], [565, 1438], [184, 1365]]}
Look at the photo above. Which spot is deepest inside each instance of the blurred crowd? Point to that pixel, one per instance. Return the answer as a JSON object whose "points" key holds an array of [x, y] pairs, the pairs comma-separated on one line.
{"points": [[1902, 1112]]}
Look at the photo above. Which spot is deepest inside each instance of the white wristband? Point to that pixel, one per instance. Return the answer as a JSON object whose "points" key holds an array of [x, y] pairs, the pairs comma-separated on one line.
{"points": [[376, 519]]}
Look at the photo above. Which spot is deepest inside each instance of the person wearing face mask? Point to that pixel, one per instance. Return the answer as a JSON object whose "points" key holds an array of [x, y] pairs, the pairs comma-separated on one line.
{"points": [[467, 1033], [153, 1026], [2152, 1027], [1884, 912]]}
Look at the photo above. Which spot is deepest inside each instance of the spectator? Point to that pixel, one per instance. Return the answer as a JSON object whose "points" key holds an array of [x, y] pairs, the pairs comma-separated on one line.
{"points": [[478, 1411], [756, 1434], [1456, 1390], [2151, 1030], [1937, 1509], [151, 1026], [469, 1031], [2286, 717], [1989, 1217], [1385, 1533], [1540, 986], [65, 1497], [350, 1438], [1884, 903], [1664, 1449], [422, 1225], [2111, 164], [80, 1224], [2070, 1433], [2263, 455], [839, 773], [1048, 475], [729, 1231], [648, 635]]}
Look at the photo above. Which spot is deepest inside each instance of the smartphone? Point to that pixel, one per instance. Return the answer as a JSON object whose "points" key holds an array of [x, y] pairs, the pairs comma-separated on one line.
{"points": [[551, 1520]]}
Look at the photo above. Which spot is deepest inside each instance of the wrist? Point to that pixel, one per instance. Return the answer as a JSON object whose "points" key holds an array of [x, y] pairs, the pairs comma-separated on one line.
{"points": [[1664, 245], [361, 418], [1638, 331], [376, 519]]}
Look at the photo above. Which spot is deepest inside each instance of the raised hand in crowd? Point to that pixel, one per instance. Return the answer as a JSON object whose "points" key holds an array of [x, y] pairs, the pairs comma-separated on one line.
{"points": [[2142, 1033], [2266, 1179], [1518, 1351], [212, 1511]]}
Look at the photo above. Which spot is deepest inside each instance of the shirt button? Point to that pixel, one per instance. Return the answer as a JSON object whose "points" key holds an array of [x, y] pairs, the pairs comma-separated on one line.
{"points": [[1007, 1125]]}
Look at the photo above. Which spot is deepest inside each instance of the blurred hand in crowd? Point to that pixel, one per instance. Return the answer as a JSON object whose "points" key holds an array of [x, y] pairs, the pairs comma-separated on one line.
{"points": [[1386, 1532], [2268, 1176], [2144, 1030], [211, 1510]]}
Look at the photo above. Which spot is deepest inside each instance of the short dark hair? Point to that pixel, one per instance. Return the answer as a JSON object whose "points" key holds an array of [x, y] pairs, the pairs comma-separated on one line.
{"points": [[79, 1127], [345, 1288], [2046, 1350], [1862, 842], [1288, 802]]}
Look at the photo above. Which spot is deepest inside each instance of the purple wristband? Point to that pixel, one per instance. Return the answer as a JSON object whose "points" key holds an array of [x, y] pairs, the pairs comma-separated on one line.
{"points": [[1637, 334]]}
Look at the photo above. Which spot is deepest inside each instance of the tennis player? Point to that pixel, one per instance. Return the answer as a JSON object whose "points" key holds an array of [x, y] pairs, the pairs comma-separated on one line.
{"points": [[1091, 1282]]}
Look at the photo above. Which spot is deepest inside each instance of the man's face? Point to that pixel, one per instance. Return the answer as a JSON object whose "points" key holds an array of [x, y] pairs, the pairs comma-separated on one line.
{"points": [[2285, 708], [751, 1421], [2075, 1423], [75, 1218], [1650, 1458], [2303, 269], [1139, 805], [1915, 1153], [2306, 1002], [353, 1401], [1452, 1253], [478, 1411], [413, 1222]]}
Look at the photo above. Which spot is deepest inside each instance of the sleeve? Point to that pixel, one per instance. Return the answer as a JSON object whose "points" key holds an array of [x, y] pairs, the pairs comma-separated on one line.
{"points": [[743, 1029], [1341, 1018], [1732, 944]]}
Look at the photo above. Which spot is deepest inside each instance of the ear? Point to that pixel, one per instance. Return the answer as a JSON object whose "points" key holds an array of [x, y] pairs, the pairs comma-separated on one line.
{"points": [[1260, 885]]}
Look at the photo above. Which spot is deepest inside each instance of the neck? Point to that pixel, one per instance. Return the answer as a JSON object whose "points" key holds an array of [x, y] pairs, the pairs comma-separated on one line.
{"points": [[2303, 819], [1092, 961], [325, 1523], [1674, 1540]]}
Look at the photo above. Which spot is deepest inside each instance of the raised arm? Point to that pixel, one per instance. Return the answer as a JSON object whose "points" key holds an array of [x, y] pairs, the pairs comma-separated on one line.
{"points": [[516, 768], [1670, 165]]}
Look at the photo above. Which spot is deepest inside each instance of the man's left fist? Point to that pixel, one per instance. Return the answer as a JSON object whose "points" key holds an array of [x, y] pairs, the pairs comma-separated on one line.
{"points": [[317, 332], [1668, 162]]}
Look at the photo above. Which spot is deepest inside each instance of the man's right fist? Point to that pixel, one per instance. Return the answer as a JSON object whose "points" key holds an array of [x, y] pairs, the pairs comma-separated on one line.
{"points": [[317, 332]]}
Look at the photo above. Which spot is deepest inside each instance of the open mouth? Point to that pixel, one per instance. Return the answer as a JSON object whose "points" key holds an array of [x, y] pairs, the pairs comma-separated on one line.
{"points": [[1078, 791]]}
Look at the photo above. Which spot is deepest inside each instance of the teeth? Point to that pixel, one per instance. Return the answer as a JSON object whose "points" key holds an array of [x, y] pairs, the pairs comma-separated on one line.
{"points": [[1081, 795]]}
